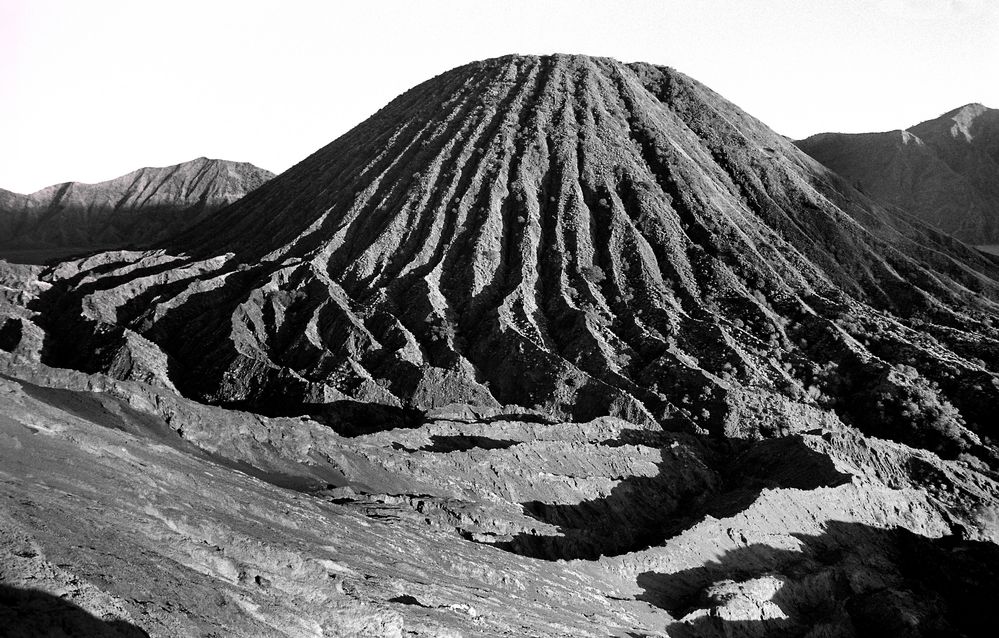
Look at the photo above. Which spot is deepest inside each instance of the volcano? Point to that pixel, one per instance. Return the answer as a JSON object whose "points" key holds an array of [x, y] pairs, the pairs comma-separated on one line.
{"points": [[568, 234]]}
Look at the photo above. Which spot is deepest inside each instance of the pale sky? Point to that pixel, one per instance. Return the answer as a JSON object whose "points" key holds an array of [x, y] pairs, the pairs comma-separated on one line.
{"points": [[92, 89]]}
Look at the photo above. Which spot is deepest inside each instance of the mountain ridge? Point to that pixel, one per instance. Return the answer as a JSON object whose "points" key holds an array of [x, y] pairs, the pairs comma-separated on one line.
{"points": [[79, 217], [944, 171]]}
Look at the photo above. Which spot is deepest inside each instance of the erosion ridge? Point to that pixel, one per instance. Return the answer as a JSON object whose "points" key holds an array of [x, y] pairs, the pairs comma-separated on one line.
{"points": [[565, 233], [136, 209], [944, 171]]}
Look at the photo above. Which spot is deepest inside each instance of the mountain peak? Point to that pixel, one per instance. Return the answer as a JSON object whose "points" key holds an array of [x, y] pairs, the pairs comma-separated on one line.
{"points": [[964, 119], [972, 110], [600, 101], [961, 123]]}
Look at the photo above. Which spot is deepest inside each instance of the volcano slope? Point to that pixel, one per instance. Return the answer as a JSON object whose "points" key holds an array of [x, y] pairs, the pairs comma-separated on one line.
{"points": [[568, 234], [945, 171], [135, 209]]}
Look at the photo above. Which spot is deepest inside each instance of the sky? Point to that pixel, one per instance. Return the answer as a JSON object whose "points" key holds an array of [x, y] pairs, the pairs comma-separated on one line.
{"points": [[92, 90]]}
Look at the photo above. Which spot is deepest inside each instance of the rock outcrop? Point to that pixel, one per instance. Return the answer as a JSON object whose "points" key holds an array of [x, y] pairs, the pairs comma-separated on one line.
{"points": [[944, 171], [132, 210]]}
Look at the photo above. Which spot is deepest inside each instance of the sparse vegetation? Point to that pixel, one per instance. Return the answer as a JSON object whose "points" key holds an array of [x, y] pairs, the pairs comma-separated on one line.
{"points": [[593, 274]]}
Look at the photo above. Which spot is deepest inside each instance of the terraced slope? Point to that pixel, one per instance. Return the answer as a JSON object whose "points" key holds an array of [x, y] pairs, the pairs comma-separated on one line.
{"points": [[570, 234], [944, 171], [135, 209]]}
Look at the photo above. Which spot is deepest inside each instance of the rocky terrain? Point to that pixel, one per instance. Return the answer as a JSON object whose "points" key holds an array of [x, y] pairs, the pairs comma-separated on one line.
{"points": [[132, 210], [549, 346], [126, 510], [944, 171]]}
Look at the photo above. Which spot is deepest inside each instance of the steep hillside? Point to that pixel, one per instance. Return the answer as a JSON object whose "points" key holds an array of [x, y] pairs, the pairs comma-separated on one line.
{"points": [[944, 171], [132, 210], [569, 234]]}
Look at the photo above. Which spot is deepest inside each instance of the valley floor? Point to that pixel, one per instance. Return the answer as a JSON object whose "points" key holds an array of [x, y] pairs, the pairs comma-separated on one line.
{"points": [[126, 511]]}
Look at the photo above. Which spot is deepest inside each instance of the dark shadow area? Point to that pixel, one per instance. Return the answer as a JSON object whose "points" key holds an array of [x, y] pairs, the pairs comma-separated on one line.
{"points": [[399, 446], [30, 613], [853, 579], [311, 479], [41, 256], [442, 444], [648, 438], [523, 418], [406, 599], [643, 511], [10, 333], [60, 229], [356, 418], [346, 417]]}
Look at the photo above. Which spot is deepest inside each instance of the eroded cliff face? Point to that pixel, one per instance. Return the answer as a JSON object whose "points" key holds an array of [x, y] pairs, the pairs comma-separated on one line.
{"points": [[944, 171], [565, 233], [136, 209]]}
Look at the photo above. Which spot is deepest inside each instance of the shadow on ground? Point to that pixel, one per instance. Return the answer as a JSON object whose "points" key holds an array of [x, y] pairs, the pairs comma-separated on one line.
{"points": [[30, 613], [355, 418], [446, 443], [851, 580], [643, 511]]}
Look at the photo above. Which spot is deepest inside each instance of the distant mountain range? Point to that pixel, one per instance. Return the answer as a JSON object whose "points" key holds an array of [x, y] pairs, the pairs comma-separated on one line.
{"points": [[944, 171], [132, 210]]}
